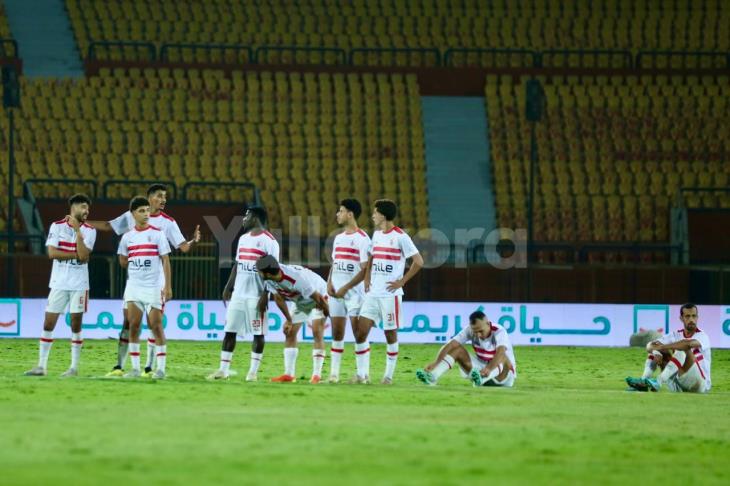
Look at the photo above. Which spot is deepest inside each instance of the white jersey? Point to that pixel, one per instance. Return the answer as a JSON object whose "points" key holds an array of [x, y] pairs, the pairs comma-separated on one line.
{"points": [[389, 249], [69, 274], [144, 248], [349, 251], [485, 349], [703, 354], [297, 285], [161, 221], [248, 284]]}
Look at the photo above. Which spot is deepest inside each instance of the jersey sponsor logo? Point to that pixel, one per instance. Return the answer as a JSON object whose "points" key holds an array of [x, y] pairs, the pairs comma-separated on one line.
{"points": [[383, 267], [141, 263], [344, 267]]}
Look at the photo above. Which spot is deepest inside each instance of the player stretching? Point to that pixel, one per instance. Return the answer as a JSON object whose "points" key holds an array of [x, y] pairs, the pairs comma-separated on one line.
{"points": [[243, 290], [157, 197], [683, 356], [344, 285], [384, 282], [493, 365], [307, 293], [69, 243], [144, 252]]}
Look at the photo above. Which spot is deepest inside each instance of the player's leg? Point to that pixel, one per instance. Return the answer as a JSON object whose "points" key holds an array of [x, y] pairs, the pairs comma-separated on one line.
{"points": [[690, 376], [456, 355], [369, 313], [291, 351], [76, 343], [154, 321], [339, 320], [259, 327], [391, 322], [317, 350], [58, 300], [135, 311], [123, 346], [494, 372], [234, 323]]}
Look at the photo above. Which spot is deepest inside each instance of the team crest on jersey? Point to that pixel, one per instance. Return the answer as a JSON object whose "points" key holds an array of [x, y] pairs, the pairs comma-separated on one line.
{"points": [[392, 241], [149, 239]]}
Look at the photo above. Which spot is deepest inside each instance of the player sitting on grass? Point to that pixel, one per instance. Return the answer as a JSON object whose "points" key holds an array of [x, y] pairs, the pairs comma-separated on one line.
{"points": [[143, 251], [683, 356], [493, 365], [69, 243], [307, 293]]}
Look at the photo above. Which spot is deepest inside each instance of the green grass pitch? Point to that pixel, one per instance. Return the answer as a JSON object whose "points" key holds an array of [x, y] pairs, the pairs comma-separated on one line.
{"points": [[568, 420]]}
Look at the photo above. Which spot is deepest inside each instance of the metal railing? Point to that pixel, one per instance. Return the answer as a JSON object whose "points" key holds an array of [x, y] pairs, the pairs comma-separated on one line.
{"points": [[683, 59], [324, 56], [521, 58], [211, 53], [189, 187], [140, 185], [382, 56], [122, 51], [586, 58]]}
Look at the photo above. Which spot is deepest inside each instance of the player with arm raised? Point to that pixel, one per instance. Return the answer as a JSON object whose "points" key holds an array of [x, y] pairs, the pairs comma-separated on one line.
{"points": [[307, 293], [344, 285], [157, 197], [384, 281], [70, 242], [492, 364], [244, 290], [144, 252]]}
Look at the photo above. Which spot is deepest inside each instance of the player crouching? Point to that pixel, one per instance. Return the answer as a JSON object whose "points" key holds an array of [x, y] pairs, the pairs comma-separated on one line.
{"points": [[493, 364]]}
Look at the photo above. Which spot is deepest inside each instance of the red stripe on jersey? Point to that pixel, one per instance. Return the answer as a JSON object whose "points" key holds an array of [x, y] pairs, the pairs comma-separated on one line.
{"points": [[255, 251], [387, 249], [66, 251], [676, 362], [347, 257], [60, 221], [287, 278], [248, 257], [347, 250], [386, 257], [143, 253], [66, 243], [269, 235], [362, 232], [142, 247], [702, 373], [163, 214], [286, 293]]}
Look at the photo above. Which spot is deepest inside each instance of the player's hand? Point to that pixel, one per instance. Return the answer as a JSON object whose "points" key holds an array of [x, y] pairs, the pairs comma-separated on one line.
{"points": [[75, 223], [484, 371], [331, 290], [227, 293], [288, 326], [340, 294], [168, 294], [196, 234], [394, 285], [367, 286]]}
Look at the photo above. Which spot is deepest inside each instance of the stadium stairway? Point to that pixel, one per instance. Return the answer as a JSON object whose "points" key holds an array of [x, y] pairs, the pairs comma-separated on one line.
{"points": [[457, 163], [43, 31]]}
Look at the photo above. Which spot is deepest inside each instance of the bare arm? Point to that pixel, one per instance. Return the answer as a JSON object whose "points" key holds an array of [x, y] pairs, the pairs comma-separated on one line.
{"points": [[368, 268], [81, 250], [263, 304], [683, 345], [123, 261], [100, 225], [359, 277], [228, 289], [186, 246], [56, 254], [168, 276], [321, 303], [281, 304], [330, 288], [416, 265]]}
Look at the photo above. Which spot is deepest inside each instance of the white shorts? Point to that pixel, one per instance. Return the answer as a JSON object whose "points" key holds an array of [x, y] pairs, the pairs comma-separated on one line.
{"points": [[692, 381], [383, 309], [242, 317], [124, 302], [77, 301], [345, 307], [145, 298], [479, 365], [300, 315]]}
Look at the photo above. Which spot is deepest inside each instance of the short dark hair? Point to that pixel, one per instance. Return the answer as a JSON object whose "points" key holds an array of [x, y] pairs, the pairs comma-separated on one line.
{"points": [[79, 198], [387, 208], [156, 187], [475, 316], [268, 265], [260, 213], [352, 205], [688, 305], [137, 202]]}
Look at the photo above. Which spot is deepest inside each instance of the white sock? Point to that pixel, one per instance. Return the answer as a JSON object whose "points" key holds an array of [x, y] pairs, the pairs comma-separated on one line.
{"points": [[362, 359], [226, 359], [317, 361], [45, 348], [443, 366], [123, 348], [391, 360], [338, 347], [492, 374], [150, 352], [672, 368], [255, 363], [161, 353], [134, 355], [290, 361], [649, 367], [76, 343]]}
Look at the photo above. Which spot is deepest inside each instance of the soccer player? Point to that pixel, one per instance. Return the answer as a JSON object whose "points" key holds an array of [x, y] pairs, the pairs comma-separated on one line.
{"points": [[244, 289], [683, 356], [344, 285], [144, 252], [307, 293], [157, 197], [384, 281], [69, 243], [493, 364]]}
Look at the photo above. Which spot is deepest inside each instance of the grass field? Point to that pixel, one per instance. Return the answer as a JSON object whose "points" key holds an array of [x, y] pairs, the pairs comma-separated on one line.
{"points": [[568, 420]]}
